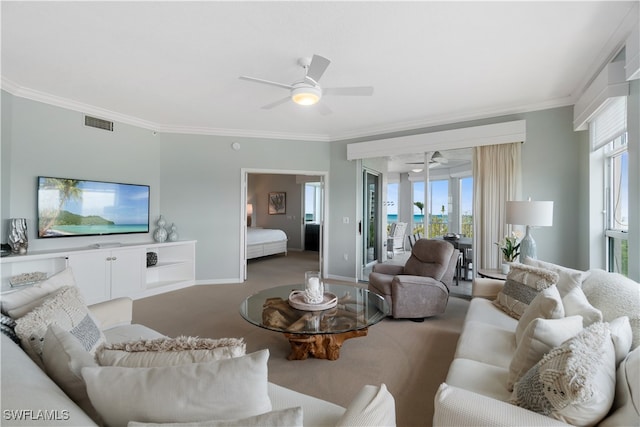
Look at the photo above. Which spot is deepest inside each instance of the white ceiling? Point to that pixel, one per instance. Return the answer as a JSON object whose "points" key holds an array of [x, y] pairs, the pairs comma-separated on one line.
{"points": [[174, 66]]}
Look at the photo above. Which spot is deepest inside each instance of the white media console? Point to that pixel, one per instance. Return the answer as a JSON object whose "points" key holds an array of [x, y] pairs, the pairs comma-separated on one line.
{"points": [[111, 271]]}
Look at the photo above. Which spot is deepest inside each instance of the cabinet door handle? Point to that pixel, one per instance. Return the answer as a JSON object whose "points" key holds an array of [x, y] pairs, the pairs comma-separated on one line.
{"points": [[113, 258]]}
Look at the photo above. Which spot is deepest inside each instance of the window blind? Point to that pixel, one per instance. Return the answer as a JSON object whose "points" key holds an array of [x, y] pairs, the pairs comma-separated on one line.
{"points": [[610, 123]]}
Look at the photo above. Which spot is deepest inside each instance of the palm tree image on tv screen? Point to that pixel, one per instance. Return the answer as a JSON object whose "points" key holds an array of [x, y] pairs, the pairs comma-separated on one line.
{"points": [[72, 207]]}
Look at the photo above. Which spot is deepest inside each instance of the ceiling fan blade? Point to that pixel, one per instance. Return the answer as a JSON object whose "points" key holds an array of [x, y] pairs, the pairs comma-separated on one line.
{"points": [[317, 67], [276, 103], [349, 91], [323, 109], [267, 82]]}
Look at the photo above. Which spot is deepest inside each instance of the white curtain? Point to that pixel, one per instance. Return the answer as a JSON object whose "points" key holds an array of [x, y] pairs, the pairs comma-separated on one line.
{"points": [[497, 179]]}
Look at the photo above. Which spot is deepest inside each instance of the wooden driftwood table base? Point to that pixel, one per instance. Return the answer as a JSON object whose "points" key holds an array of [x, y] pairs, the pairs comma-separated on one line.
{"points": [[316, 333], [320, 346]]}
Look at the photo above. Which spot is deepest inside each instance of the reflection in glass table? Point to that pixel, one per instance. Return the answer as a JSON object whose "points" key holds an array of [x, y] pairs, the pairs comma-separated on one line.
{"points": [[316, 333]]}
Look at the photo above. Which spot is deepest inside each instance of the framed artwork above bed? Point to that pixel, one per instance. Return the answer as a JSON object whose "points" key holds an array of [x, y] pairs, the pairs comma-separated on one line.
{"points": [[277, 203]]}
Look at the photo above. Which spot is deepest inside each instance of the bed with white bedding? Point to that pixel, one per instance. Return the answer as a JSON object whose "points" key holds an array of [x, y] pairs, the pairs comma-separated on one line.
{"points": [[265, 241]]}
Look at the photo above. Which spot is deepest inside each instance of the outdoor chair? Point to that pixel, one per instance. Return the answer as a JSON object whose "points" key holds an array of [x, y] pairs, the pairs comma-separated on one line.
{"points": [[420, 288], [395, 241]]}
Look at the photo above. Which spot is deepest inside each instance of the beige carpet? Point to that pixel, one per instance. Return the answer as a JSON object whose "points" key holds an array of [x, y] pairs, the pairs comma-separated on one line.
{"points": [[411, 358]]}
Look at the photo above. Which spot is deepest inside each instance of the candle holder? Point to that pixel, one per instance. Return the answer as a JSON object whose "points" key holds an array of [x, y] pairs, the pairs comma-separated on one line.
{"points": [[313, 287]]}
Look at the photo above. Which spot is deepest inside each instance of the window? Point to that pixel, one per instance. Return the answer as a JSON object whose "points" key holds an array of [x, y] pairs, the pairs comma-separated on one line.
{"points": [[312, 203], [437, 207], [466, 206], [392, 203], [608, 132], [617, 175]]}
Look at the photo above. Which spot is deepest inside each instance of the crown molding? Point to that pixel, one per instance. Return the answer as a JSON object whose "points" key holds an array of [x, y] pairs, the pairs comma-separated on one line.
{"points": [[377, 131], [69, 104]]}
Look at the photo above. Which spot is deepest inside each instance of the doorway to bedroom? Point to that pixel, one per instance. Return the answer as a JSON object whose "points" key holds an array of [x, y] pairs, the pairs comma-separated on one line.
{"points": [[283, 215]]}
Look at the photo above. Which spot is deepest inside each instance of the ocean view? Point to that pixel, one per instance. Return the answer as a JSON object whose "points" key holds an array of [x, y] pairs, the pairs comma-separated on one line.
{"points": [[417, 218], [98, 229]]}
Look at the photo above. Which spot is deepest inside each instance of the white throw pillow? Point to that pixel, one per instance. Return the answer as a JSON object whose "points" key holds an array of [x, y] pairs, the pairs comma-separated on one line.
{"points": [[626, 406], [372, 406], [568, 278], [621, 336], [523, 283], [575, 303], [290, 417], [573, 383], [546, 305], [17, 304], [224, 389], [64, 357], [65, 309], [537, 339], [169, 351]]}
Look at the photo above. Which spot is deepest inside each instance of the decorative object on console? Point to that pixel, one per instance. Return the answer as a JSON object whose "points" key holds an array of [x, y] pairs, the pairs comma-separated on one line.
{"points": [[18, 236], [173, 235], [152, 259], [529, 214], [27, 278], [160, 235]]}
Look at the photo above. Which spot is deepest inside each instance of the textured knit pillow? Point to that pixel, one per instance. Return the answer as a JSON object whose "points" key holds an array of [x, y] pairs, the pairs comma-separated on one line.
{"points": [[522, 285], [224, 389], [65, 309], [540, 336], [575, 382], [169, 351]]}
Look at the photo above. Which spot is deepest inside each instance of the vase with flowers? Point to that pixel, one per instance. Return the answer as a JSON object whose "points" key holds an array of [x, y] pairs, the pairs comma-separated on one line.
{"points": [[510, 249]]}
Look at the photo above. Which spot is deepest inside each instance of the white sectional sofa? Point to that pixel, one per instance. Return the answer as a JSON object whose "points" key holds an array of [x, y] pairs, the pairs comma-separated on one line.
{"points": [[32, 398], [476, 391]]}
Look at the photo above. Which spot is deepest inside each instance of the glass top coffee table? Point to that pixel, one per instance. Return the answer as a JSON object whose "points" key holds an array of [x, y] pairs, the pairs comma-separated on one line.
{"points": [[319, 334]]}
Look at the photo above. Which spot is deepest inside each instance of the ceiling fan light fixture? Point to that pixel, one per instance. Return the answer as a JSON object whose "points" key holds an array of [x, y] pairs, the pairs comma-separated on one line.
{"points": [[306, 95]]}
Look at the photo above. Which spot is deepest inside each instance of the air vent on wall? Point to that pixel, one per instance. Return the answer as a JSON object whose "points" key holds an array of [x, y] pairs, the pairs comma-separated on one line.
{"points": [[94, 122]]}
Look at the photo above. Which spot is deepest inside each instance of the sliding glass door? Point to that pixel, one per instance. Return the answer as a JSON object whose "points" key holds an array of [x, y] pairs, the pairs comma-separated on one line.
{"points": [[371, 217]]}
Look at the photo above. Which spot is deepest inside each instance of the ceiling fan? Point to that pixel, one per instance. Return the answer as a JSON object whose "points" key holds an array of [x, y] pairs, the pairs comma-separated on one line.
{"points": [[308, 91], [435, 160]]}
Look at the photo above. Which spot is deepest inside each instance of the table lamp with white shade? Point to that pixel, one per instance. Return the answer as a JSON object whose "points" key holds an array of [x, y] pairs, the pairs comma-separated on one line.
{"points": [[249, 214], [532, 214]]}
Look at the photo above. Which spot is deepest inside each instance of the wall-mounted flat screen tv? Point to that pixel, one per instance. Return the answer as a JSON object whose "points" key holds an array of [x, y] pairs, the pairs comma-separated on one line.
{"points": [[75, 207]]}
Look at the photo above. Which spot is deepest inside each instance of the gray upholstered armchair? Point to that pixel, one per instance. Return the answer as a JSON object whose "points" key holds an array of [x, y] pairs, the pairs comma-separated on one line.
{"points": [[420, 288]]}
